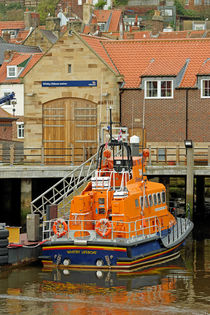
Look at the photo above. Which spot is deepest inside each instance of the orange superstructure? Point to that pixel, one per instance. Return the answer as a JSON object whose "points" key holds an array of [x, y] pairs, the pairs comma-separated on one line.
{"points": [[134, 205]]}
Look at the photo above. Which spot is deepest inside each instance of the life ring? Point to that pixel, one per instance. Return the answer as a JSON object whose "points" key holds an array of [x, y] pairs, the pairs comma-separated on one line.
{"points": [[60, 227], [103, 227]]}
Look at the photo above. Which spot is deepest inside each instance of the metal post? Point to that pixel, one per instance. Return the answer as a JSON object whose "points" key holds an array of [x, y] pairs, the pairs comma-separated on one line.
{"points": [[12, 154], [150, 156], [42, 155], [190, 180], [177, 155]]}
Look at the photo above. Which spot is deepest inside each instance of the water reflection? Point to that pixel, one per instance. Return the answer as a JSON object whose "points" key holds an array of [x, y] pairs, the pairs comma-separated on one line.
{"points": [[180, 287]]}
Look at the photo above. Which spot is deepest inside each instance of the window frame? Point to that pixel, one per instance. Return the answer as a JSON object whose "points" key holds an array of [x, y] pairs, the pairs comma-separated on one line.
{"points": [[158, 81], [20, 128], [8, 71], [202, 89]]}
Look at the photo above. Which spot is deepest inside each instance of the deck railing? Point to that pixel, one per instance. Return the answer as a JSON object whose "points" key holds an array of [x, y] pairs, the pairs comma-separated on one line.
{"points": [[141, 228], [73, 156]]}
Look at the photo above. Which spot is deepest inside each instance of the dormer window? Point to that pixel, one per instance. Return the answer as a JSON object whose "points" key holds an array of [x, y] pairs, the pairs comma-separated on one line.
{"points": [[205, 88], [11, 71], [158, 89]]}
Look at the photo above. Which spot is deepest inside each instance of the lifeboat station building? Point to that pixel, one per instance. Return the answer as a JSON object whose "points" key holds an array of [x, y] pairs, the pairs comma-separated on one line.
{"points": [[158, 89]]}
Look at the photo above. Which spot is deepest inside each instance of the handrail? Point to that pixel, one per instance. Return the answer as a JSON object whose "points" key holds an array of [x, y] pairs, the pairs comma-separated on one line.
{"points": [[16, 154], [62, 189]]}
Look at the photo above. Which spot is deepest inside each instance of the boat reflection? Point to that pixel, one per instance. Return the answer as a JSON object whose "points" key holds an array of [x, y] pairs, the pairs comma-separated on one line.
{"points": [[151, 286]]}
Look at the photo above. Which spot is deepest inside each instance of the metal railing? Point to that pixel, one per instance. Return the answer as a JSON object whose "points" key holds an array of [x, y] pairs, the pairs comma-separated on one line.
{"points": [[79, 229], [61, 192], [17, 154]]}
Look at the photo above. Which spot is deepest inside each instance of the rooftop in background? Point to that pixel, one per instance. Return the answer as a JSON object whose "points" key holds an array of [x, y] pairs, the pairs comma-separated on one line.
{"points": [[17, 48], [135, 59]]}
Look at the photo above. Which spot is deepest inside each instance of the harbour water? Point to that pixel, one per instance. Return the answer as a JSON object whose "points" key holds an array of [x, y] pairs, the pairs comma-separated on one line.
{"points": [[178, 287]]}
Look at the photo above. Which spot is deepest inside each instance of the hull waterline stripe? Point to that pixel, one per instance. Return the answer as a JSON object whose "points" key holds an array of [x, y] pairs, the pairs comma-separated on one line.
{"points": [[119, 249], [148, 257]]}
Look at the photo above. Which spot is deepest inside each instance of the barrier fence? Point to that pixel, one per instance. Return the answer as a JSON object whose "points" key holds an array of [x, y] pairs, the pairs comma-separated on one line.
{"points": [[19, 155]]}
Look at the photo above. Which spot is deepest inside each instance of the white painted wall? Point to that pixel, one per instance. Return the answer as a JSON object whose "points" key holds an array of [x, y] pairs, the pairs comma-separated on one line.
{"points": [[18, 89]]}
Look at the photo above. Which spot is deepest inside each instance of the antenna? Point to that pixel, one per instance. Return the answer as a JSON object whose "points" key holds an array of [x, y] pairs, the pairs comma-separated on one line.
{"points": [[110, 117]]}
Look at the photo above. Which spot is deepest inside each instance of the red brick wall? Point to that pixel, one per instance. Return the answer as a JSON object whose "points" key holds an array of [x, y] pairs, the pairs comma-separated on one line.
{"points": [[165, 120], [5, 130]]}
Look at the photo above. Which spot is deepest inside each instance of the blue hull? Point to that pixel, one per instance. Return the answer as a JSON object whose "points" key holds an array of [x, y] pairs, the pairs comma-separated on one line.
{"points": [[117, 257]]}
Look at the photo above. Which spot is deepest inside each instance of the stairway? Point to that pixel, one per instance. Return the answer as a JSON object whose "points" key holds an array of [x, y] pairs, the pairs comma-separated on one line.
{"points": [[63, 191]]}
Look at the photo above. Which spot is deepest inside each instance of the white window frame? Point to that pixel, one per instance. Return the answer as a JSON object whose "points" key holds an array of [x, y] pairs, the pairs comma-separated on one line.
{"points": [[8, 71], [197, 2], [20, 130], [158, 89], [202, 88]]}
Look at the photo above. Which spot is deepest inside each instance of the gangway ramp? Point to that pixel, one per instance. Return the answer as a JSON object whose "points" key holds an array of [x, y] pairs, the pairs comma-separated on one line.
{"points": [[62, 192]]}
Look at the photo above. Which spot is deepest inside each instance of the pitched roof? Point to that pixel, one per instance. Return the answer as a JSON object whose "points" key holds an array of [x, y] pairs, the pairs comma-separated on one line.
{"points": [[18, 48], [49, 35], [11, 25], [110, 17], [205, 68], [132, 58], [21, 36], [27, 61], [96, 43], [4, 115]]}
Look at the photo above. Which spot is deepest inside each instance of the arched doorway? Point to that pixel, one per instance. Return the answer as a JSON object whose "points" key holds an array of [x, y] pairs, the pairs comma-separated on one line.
{"points": [[69, 130]]}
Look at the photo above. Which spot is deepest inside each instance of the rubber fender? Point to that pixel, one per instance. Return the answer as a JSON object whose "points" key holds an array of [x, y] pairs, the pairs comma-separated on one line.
{"points": [[3, 251], [3, 259], [4, 234], [4, 243]]}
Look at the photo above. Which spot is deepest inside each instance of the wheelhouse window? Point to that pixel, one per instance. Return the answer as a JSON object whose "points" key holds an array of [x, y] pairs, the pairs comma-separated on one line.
{"points": [[145, 202], [150, 200], [159, 89], [158, 198], [155, 199], [205, 88], [163, 195]]}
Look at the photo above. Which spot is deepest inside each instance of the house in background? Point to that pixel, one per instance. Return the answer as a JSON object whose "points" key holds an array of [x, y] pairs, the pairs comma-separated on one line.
{"points": [[167, 81], [12, 72]]}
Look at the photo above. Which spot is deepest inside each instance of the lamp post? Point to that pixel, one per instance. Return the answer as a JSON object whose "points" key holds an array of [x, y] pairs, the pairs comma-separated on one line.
{"points": [[190, 177]]}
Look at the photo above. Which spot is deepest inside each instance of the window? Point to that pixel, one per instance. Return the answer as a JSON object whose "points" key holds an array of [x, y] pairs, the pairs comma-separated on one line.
{"points": [[102, 26], [199, 27], [158, 198], [205, 88], [145, 202], [163, 194], [197, 2], [69, 68], [206, 2], [101, 201], [150, 200], [79, 2], [141, 202], [161, 154], [158, 89], [155, 199], [168, 12], [137, 203], [20, 130], [11, 71], [186, 2]]}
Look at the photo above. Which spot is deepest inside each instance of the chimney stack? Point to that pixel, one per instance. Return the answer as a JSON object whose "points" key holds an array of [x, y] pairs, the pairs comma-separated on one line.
{"points": [[6, 36], [8, 54], [157, 23], [31, 19]]}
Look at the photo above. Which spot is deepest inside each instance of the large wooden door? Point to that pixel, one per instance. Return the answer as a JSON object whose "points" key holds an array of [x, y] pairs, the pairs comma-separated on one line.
{"points": [[69, 130]]}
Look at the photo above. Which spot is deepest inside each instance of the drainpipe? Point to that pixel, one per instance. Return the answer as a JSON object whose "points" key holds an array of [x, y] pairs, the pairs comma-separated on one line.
{"points": [[121, 92], [186, 102]]}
